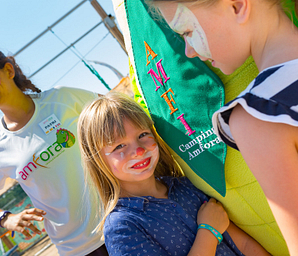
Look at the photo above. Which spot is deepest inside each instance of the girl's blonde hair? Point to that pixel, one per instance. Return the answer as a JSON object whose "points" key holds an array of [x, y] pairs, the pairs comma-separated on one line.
{"points": [[99, 124]]}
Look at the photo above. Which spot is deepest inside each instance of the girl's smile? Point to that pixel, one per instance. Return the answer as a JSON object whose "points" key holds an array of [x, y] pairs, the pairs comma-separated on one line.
{"points": [[142, 164], [137, 166]]}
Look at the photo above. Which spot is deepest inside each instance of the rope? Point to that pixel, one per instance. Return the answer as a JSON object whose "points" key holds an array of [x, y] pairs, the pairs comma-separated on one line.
{"points": [[93, 70], [82, 58]]}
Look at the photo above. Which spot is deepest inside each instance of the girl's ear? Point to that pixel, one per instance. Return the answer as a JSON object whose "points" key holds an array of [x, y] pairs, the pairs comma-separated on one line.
{"points": [[9, 70], [241, 9]]}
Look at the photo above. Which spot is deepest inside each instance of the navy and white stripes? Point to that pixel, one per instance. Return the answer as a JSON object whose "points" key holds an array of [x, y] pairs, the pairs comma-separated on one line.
{"points": [[271, 97]]}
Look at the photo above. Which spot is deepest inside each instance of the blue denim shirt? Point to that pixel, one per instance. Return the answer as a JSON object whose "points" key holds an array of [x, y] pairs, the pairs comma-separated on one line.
{"points": [[152, 226]]}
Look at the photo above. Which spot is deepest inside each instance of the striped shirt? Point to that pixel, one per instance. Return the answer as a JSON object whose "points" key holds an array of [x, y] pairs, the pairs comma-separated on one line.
{"points": [[271, 97]]}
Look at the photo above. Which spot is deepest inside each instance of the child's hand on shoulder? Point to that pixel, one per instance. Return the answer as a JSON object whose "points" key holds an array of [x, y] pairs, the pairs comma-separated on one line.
{"points": [[213, 214]]}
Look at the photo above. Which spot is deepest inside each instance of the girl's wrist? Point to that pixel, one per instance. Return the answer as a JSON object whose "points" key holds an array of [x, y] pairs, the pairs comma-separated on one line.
{"points": [[216, 233]]}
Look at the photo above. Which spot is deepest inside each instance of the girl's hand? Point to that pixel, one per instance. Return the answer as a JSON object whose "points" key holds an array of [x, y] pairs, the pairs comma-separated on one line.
{"points": [[18, 222], [213, 214]]}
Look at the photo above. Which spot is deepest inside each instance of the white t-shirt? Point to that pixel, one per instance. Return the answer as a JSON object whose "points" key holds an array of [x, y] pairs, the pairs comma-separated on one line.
{"points": [[44, 157]]}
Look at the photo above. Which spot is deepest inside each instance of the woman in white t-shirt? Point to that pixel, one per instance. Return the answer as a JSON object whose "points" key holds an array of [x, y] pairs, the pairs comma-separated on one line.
{"points": [[38, 148]]}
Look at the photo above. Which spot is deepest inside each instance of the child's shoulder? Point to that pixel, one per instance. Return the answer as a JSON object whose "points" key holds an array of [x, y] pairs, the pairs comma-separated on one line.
{"points": [[183, 188], [119, 216], [122, 219], [181, 183], [169, 180]]}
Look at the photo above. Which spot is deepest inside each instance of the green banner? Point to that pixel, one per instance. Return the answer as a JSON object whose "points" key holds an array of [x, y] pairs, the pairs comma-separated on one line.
{"points": [[181, 94]]}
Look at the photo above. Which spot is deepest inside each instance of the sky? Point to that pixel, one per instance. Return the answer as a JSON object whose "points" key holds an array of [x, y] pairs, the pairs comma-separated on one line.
{"points": [[22, 21]]}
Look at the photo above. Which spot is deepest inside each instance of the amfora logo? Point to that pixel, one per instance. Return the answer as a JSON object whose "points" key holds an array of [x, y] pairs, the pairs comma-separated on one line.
{"points": [[65, 139]]}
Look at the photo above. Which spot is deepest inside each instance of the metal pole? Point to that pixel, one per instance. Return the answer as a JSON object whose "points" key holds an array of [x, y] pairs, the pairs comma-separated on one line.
{"points": [[71, 45], [109, 23], [49, 28]]}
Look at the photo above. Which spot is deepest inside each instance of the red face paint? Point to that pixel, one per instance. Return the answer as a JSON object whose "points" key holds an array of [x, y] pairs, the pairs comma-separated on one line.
{"points": [[140, 151]]}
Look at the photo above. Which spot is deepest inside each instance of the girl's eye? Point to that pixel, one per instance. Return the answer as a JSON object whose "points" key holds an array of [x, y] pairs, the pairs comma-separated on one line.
{"points": [[119, 147], [143, 134], [186, 33]]}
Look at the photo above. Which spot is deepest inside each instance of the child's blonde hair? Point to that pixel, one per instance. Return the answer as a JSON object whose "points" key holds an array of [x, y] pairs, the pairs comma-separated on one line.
{"points": [[99, 124]]}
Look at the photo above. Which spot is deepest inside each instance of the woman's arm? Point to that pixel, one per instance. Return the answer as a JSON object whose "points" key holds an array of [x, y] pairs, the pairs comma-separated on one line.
{"points": [[22, 221], [270, 151], [245, 243], [213, 214]]}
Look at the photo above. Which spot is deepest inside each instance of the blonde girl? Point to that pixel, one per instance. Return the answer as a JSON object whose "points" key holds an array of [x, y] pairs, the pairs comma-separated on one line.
{"points": [[150, 209], [262, 121]]}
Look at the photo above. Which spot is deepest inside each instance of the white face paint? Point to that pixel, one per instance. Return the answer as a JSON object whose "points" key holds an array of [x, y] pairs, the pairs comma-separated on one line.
{"points": [[153, 158], [184, 21], [121, 154], [133, 157]]}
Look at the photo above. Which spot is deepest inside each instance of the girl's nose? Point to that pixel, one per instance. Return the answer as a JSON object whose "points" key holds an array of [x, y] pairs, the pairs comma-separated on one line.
{"points": [[189, 51], [140, 151]]}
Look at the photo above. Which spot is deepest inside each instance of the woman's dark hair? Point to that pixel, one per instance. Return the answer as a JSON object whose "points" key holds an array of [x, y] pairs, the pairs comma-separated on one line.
{"points": [[20, 79]]}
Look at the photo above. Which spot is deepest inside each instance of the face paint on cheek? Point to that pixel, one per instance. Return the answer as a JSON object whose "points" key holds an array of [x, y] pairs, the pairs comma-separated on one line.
{"points": [[121, 155], [151, 144], [115, 169], [185, 20], [154, 155]]}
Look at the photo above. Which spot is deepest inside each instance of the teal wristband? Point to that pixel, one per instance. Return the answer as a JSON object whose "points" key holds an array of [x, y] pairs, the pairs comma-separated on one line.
{"points": [[212, 230]]}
